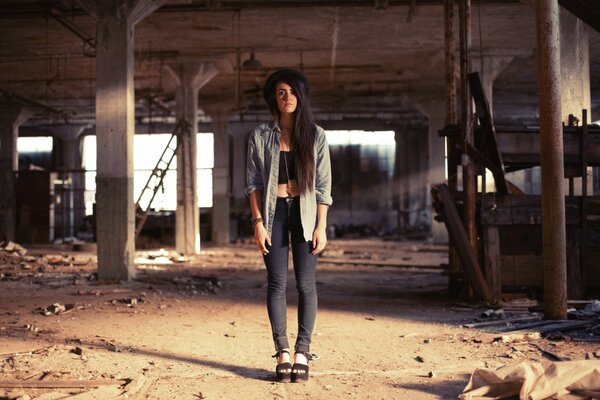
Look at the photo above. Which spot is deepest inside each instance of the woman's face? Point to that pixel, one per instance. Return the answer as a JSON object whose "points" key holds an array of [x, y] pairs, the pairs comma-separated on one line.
{"points": [[286, 98]]}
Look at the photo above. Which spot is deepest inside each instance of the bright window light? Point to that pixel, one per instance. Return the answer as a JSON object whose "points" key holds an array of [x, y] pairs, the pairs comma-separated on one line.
{"points": [[357, 137], [38, 144], [147, 151]]}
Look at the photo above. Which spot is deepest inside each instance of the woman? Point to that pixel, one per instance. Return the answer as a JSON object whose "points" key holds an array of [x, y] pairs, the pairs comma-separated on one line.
{"points": [[288, 179]]}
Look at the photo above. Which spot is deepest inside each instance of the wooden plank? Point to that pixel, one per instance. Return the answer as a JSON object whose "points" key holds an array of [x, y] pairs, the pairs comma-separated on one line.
{"points": [[576, 286], [520, 239], [524, 215], [523, 146], [379, 263], [488, 145], [558, 325], [508, 274], [525, 326], [501, 322], [459, 238], [491, 263], [528, 269], [592, 264]]}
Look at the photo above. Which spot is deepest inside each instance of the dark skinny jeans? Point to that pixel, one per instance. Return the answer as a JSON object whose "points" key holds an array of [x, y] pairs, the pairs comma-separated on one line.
{"points": [[286, 222]]}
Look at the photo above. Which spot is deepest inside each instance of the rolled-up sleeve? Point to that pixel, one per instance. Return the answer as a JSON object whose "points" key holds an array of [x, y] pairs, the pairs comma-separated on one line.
{"points": [[254, 179], [323, 167]]}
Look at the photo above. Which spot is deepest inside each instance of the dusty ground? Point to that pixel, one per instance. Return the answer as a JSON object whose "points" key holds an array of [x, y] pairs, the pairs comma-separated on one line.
{"points": [[381, 331]]}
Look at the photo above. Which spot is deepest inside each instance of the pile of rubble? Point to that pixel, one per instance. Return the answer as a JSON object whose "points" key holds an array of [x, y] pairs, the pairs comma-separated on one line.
{"points": [[517, 323], [17, 264]]}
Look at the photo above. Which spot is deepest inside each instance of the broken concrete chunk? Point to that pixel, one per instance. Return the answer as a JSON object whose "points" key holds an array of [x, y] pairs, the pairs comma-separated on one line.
{"points": [[14, 248]]}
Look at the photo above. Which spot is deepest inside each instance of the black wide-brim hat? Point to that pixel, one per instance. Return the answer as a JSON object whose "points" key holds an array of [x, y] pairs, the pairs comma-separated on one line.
{"points": [[286, 75]]}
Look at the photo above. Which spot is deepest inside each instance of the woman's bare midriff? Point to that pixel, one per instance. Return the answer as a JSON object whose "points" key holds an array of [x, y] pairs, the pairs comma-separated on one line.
{"points": [[282, 190]]}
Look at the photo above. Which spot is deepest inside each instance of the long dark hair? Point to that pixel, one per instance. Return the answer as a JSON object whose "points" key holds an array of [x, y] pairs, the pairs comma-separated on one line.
{"points": [[305, 130]]}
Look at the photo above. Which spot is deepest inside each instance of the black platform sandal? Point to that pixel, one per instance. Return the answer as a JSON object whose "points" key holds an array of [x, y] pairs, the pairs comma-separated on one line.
{"points": [[283, 371], [300, 371]]}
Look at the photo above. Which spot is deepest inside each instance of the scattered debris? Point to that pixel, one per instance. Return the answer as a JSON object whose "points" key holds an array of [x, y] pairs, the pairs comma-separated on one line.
{"points": [[527, 325], [13, 248], [129, 301], [192, 284], [77, 350], [493, 313], [161, 256], [55, 309]]}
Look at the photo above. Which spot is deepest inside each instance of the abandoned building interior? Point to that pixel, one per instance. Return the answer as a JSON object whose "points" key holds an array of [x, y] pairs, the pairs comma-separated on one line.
{"points": [[465, 152]]}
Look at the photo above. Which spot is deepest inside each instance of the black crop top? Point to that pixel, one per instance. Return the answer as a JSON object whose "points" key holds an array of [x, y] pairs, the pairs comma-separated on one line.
{"points": [[291, 166]]}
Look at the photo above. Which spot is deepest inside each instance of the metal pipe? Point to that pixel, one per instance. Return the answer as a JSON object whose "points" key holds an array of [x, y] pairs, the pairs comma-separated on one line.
{"points": [[552, 167], [451, 119], [450, 57], [468, 168]]}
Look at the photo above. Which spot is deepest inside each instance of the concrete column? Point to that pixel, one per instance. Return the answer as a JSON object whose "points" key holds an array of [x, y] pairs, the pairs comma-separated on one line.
{"points": [[436, 172], [115, 217], [71, 163], [575, 78], [10, 119], [190, 77], [221, 178], [574, 66]]}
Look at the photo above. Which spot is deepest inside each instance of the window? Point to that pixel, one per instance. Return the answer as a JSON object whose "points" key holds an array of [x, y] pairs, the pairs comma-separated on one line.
{"points": [[147, 150]]}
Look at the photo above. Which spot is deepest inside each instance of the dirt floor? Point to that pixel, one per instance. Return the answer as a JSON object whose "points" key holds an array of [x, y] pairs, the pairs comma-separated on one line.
{"points": [[198, 329]]}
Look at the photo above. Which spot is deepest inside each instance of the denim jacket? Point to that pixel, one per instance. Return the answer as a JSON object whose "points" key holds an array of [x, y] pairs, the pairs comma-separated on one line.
{"points": [[262, 171]]}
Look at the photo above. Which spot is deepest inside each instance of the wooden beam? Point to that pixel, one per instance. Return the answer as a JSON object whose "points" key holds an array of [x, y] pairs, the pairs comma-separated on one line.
{"points": [[492, 266], [488, 145], [459, 238]]}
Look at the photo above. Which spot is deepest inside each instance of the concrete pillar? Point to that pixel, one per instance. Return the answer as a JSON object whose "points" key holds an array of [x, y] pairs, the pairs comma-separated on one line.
{"points": [[115, 217], [575, 77], [436, 171], [10, 119], [71, 163], [221, 178], [190, 77], [574, 66]]}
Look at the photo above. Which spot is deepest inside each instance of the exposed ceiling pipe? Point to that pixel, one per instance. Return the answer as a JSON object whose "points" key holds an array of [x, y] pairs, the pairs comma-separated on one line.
{"points": [[28, 102], [58, 16]]}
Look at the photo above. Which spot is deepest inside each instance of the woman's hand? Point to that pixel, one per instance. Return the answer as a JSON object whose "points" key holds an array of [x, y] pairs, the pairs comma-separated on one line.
{"points": [[261, 237], [319, 240]]}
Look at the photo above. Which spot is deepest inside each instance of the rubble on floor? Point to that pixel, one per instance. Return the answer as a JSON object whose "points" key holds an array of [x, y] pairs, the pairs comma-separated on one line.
{"points": [[52, 269], [527, 322]]}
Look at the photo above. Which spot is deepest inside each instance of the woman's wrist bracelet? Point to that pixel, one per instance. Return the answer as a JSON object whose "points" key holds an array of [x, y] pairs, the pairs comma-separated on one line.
{"points": [[257, 220]]}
